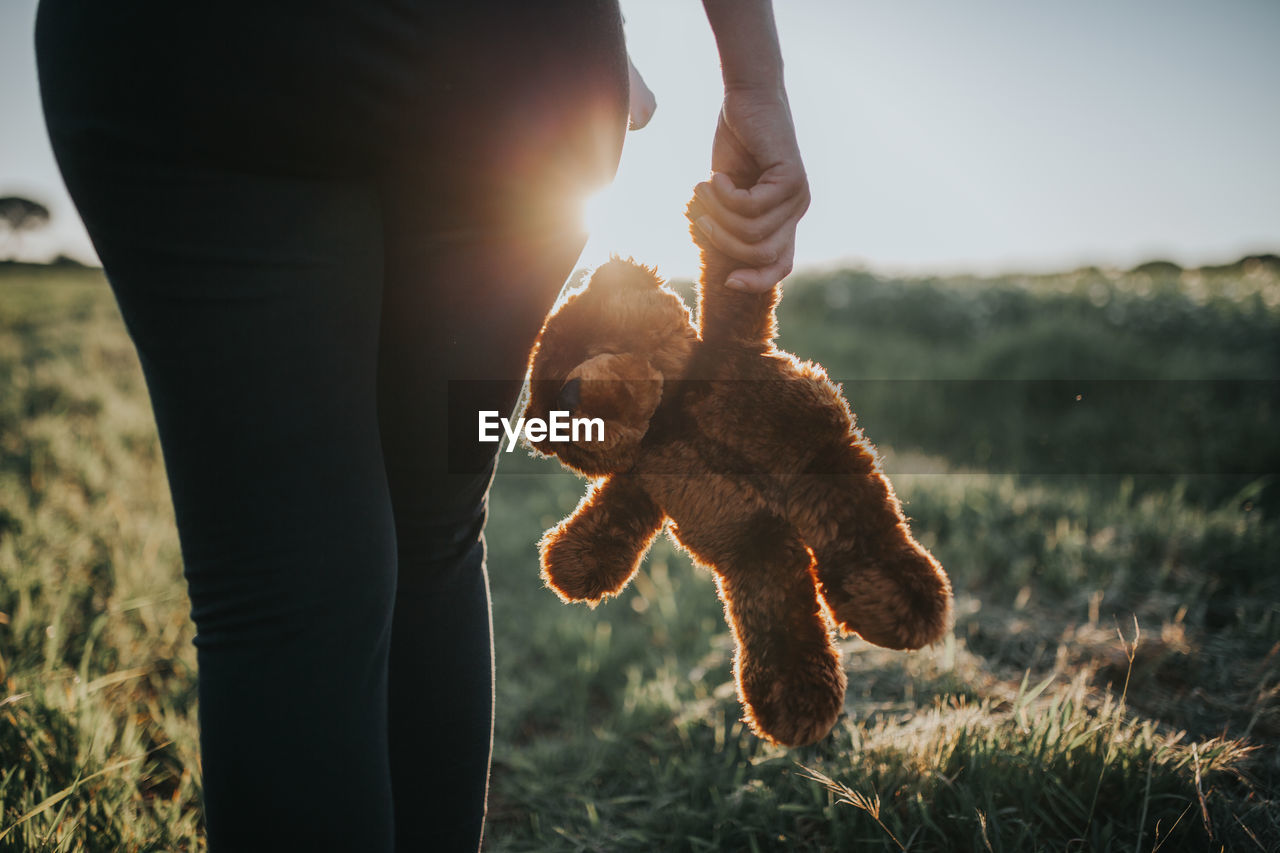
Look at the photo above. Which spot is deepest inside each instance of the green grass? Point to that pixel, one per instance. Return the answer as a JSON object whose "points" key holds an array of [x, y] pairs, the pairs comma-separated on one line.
{"points": [[1112, 683], [97, 707]]}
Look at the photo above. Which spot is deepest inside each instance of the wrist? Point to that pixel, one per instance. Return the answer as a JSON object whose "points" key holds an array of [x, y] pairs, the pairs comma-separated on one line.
{"points": [[755, 93]]}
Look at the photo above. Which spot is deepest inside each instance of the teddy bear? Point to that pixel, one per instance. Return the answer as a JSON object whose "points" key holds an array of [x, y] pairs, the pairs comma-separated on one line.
{"points": [[752, 461]]}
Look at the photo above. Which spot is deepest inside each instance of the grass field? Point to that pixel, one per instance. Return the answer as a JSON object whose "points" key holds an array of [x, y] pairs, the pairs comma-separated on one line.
{"points": [[1112, 682]]}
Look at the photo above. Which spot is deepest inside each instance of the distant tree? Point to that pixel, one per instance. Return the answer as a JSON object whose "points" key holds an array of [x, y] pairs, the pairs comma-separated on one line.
{"points": [[1159, 269], [65, 261], [19, 215]]}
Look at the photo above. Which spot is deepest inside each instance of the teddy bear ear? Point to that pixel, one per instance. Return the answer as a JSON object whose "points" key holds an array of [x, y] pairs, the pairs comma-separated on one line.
{"points": [[625, 274]]}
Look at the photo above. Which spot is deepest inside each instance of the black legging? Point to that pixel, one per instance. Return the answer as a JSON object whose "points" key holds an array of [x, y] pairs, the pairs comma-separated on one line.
{"points": [[314, 215]]}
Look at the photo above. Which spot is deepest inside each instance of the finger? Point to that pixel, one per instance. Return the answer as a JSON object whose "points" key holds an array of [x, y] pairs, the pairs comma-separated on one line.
{"points": [[773, 189], [761, 254], [745, 229], [758, 280]]}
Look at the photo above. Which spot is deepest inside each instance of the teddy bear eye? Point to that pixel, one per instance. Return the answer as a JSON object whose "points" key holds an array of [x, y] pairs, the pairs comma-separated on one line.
{"points": [[570, 394]]}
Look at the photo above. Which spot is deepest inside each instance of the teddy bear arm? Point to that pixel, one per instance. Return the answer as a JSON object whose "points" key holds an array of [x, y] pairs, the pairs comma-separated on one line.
{"points": [[732, 316], [594, 552]]}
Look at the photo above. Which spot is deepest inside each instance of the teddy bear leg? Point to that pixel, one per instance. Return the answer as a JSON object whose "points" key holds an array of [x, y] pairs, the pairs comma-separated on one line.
{"points": [[787, 670], [889, 590], [876, 579], [594, 552]]}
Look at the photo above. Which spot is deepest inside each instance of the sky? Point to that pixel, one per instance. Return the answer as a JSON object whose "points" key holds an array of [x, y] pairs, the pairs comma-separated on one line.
{"points": [[984, 136]]}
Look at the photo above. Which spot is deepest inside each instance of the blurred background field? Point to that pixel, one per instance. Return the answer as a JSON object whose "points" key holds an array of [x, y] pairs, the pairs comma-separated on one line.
{"points": [[1092, 455]]}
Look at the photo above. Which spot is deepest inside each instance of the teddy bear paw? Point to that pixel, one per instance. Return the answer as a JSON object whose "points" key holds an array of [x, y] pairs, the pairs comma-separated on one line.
{"points": [[592, 574], [796, 706], [902, 601]]}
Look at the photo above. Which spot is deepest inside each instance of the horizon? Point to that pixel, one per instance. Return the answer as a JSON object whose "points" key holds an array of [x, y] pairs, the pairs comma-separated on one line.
{"points": [[839, 266]]}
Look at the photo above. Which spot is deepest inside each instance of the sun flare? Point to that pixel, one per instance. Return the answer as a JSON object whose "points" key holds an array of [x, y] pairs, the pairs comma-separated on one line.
{"points": [[637, 217], [595, 213], [604, 218]]}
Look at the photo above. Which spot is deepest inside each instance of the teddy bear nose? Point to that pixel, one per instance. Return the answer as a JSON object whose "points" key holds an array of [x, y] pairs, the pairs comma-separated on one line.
{"points": [[571, 394]]}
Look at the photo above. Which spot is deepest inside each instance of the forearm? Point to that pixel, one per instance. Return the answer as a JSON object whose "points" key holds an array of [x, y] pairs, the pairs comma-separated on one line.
{"points": [[749, 208], [747, 39]]}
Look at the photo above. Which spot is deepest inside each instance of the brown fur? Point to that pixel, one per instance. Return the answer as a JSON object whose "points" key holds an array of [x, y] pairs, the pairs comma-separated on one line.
{"points": [[754, 457]]}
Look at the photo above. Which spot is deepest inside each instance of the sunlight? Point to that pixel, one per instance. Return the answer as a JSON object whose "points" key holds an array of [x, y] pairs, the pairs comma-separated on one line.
{"points": [[603, 221], [594, 210], [640, 215]]}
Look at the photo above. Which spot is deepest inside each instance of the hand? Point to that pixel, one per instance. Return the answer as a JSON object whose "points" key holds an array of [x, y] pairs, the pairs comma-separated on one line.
{"points": [[643, 103], [758, 190]]}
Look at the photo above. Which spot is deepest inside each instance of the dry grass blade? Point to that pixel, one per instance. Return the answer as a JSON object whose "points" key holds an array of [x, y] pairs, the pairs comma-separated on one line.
{"points": [[1130, 653], [1248, 832], [845, 794], [1204, 809], [1171, 829], [982, 824]]}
